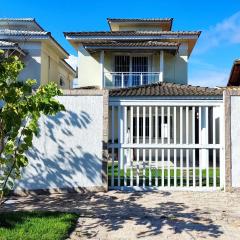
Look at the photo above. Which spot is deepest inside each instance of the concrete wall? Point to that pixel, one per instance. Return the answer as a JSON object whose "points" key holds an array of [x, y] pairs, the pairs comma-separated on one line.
{"points": [[235, 140], [89, 71], [69, 152]]}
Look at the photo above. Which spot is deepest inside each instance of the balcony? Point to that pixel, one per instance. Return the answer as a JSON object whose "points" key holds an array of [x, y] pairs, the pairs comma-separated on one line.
{"points": [[130, 79]]}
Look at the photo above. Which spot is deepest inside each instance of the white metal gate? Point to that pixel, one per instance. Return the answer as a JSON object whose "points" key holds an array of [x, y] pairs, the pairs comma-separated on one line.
{"points": [[166, 144]]}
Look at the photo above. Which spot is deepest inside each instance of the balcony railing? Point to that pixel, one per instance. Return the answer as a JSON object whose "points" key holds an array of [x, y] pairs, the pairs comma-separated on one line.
{"points": [[130, 79]]}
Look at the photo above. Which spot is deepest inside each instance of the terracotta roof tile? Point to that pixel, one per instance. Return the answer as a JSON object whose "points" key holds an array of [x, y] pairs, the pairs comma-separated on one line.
{"points": [[132, 44], [131, 33], [165, 89]]}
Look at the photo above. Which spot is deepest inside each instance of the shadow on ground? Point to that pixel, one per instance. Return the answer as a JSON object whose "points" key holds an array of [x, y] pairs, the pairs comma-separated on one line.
{"points": [[113, 212]]}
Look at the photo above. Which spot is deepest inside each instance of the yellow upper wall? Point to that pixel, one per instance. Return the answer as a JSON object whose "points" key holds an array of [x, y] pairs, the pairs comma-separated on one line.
{"points": [[52, 69], [89, 69]]}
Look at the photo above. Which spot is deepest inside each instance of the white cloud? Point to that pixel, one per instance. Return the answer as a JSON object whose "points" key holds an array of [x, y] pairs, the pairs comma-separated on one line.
{"points": [[72, 60], [207, 75], [225, 32]]}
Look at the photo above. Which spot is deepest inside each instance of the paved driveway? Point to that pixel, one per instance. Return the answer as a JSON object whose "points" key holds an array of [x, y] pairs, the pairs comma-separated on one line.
{"points": [[144, 215]]}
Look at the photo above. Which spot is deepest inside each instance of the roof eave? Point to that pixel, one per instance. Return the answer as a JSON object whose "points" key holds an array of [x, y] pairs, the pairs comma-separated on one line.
{"points": [[137, 37], [63, 61], [14, 48]]}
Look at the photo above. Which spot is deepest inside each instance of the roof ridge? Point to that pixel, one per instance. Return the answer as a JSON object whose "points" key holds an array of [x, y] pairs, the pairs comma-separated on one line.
{"points": [[17, 19], [141, 19]]}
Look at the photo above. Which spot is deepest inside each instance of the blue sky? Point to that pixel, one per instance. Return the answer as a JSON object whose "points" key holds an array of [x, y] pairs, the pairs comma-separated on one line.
{"points": [[212, 58]]}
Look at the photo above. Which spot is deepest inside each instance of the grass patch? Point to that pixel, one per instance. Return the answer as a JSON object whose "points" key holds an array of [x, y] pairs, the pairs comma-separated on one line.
{"points": [[36, 225]]}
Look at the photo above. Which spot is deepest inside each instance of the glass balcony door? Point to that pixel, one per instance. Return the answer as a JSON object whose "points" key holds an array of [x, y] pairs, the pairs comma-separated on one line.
{"points": [[139, 66], [129, 70]]}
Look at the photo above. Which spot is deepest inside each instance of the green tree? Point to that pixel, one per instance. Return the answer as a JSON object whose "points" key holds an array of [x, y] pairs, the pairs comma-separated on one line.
{"points": [[20, 109]]}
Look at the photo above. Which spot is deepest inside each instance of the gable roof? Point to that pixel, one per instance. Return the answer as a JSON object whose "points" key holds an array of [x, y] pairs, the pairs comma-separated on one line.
{"points": [[29, 32], [165, 89]]}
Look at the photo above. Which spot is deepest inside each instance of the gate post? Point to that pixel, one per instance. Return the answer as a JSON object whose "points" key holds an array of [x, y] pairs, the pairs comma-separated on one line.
{"points": [[232, 138]]}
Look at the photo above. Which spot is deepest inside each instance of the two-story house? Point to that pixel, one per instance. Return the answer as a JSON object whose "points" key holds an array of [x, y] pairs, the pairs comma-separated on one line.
{"points": [[132, 53], [156, 120], [43, 56]]}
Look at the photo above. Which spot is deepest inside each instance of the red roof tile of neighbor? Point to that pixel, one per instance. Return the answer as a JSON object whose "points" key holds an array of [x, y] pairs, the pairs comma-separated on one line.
{"points": [[234, 79], [131, 33], [165, 89]]}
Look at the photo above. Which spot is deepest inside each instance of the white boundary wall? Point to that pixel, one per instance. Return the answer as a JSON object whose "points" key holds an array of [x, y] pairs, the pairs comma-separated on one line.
{"points": [[68, 154]]}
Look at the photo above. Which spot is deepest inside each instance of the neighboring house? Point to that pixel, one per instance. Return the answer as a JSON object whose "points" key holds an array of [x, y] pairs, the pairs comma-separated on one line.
{"points": [[42, 55], [234, 78], [132, 53]]}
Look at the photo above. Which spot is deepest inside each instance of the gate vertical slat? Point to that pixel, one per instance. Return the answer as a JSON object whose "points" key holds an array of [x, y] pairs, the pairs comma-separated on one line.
{"points": [[214, 151], [168, 151], [221, 150], [113, 149], [162, 167], [125, 140], [131, 140], [119, 142], [200, 142], [162, 138], [144, 168], [187, 142], [138, 148], [168, 161], [150, 141], [193, 151], [156, 167], [156, 142], [181, 150], [144, 151], [207, 151], [175, 142]]}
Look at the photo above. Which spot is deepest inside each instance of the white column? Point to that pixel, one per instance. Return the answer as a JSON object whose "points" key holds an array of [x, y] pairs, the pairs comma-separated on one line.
{"points": [[102, 69], [161, 66]]}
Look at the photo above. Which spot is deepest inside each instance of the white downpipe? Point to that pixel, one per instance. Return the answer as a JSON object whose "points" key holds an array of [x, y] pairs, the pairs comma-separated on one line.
{"points": [[102, 69], [161, 67]]}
